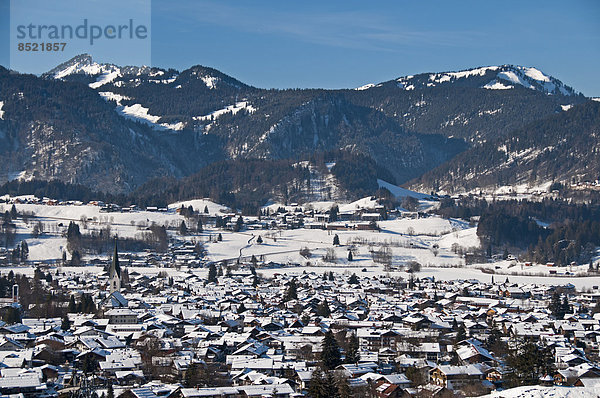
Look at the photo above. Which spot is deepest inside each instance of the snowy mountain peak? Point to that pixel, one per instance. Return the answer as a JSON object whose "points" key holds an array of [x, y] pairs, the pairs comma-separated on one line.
{"points": [[80, 64], [502, 77], [84, 64], [83, 68], [212, 78]]}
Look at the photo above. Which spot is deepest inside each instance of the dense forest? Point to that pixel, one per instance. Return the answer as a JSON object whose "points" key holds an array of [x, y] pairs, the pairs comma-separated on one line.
{"points": [[499, 229], [550, 230], [568, 242], [547, 210]]}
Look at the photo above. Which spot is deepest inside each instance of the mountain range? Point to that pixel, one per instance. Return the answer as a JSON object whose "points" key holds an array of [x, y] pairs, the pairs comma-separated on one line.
{"points": [[116, 128]]}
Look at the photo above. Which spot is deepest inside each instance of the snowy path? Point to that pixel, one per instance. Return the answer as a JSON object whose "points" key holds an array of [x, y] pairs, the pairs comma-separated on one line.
{"points": [[245, 247]]}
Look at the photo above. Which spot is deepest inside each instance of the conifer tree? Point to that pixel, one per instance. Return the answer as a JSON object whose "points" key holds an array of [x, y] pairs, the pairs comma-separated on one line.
{"points": [[461, 334], [565, 306], [66, 323], [239, 224], [212, 273], [557, 307], [353, 352], [353, 280], [333, 213], [199, 249], [291, 292], [315, 389], [12, 315], [330, 385], [529, 362], [183, 229], [323, 309], [494, 341], [72, 306], [73, 237], [330, 354], [24, 250]]}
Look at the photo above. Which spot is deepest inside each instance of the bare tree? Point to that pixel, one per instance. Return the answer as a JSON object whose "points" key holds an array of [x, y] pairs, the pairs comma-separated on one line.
{"points": [[330, 255], [383, 256]]}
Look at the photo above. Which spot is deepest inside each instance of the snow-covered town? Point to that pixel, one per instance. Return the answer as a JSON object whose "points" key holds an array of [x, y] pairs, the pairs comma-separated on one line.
{"points": [[195, 300], [262, 199]]}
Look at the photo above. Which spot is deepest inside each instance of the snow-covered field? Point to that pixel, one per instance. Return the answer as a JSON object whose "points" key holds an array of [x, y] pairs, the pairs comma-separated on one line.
{"points": [[512, 267], [55, 219], [284, 246], [431, 241]]}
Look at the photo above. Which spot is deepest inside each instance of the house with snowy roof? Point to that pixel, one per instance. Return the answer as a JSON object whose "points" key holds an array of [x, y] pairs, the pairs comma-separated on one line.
{"points": [[454, 377]]}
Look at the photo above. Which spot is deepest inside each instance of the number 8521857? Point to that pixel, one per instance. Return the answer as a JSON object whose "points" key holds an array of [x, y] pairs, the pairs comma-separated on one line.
{"points": [[42, 46]]}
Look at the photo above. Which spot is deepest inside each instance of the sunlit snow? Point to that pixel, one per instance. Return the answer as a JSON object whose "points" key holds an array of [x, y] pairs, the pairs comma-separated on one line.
{"points": [[233, 109], [105, 78], [496, 85], [365, 87]]}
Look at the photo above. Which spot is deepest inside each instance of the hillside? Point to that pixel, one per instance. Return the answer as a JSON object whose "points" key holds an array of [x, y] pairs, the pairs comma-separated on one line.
{"points": [[560, 148]]}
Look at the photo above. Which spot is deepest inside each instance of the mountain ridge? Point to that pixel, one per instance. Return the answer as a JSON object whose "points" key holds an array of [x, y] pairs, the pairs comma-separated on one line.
{"points": [[175, 123], [526, 76]]}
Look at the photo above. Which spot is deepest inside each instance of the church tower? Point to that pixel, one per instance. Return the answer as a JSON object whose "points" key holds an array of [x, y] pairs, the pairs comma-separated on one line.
{"points": [[114, 273]]}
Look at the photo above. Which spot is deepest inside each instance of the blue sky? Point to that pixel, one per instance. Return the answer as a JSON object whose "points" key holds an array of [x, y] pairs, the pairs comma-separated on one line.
{"points": [[339, 44]]}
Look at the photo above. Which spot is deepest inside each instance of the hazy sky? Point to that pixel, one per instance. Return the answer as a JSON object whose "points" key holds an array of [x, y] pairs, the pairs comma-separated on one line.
{"points": [[335, 44]]}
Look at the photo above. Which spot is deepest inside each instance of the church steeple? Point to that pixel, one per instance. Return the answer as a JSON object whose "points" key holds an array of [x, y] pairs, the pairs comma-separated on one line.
{"points": [[114, 273]]}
